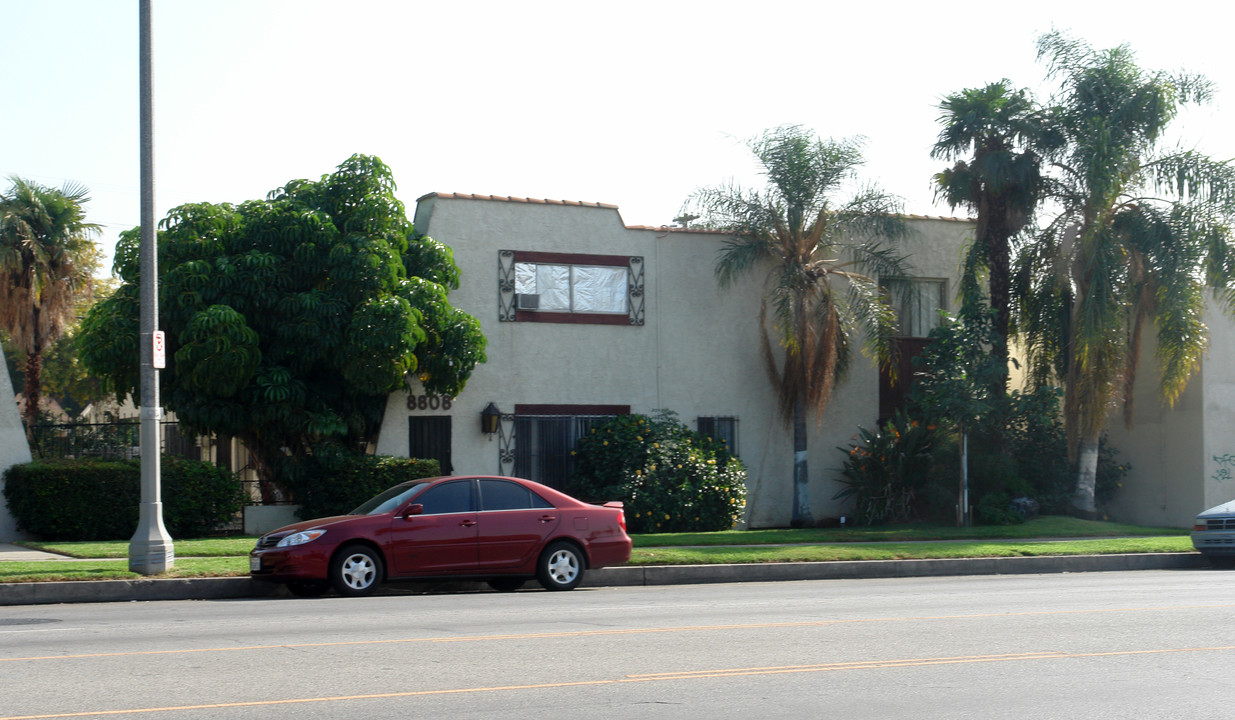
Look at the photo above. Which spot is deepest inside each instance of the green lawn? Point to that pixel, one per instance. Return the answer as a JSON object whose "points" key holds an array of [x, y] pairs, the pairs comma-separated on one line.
{"points": [[207, 548], [905, 551], [55, 570], [222, 557], [1051, 526]]}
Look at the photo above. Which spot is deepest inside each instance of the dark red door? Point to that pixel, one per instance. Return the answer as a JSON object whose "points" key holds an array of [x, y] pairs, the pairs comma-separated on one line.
{"points": [[442, 538], [514, 523]]}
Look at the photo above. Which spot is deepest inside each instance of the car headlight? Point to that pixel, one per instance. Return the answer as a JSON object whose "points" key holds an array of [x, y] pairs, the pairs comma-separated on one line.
{"points": [[301, 538]]}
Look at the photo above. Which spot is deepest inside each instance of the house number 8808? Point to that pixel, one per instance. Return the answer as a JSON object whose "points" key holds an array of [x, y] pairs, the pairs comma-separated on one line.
{"points": [[429, 402]]}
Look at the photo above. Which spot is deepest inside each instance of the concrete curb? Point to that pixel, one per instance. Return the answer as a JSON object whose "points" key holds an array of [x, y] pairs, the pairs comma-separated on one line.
{"points": [[864, 569], [243, 587]]}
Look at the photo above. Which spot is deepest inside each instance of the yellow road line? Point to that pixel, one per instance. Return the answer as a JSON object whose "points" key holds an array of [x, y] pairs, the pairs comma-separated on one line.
{"points": [[653, 677], [598, 633]]}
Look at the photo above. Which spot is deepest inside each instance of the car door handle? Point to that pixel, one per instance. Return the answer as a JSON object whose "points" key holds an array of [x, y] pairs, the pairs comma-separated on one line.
{"points": [[467, 523], [547, 518]]}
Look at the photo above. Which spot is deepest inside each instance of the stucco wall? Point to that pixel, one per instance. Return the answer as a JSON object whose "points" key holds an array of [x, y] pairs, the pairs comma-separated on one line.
{"points": [[13, 447], [1218, 398], [1183, 458], [697, 353]]}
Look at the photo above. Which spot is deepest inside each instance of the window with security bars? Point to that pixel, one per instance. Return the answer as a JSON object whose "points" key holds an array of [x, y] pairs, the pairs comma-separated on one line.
{"points": [[543, 442], [720, 427], [429, 438]]}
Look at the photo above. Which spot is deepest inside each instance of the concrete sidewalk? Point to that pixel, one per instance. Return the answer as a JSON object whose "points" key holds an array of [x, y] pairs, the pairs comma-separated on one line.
{"points": [[16, 552], [243, 587]]}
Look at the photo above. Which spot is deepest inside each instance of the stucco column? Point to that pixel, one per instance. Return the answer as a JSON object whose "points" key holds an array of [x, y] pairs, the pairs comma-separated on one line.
{"points": [[14, 449]]}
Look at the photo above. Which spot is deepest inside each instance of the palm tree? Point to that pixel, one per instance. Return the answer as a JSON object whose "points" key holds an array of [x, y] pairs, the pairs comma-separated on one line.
{"points": [[1139, 236], [820, 296], [47, 259], [1003, 134]]}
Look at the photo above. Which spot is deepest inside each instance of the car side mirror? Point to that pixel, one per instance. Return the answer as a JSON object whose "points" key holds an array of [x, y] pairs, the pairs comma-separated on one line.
{"points": [[413, 510]]}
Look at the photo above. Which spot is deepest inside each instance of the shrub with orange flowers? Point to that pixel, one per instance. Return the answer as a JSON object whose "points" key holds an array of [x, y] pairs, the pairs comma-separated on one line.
{"points": [[886, 469]]}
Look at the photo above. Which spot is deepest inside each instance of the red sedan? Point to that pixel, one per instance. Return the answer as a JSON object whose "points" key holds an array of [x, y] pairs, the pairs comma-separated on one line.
{"points": [[504, 530]]}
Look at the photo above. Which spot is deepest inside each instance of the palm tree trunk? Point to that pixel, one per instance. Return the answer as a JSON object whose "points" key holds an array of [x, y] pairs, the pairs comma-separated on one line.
{"points": [[34, 368], [1083, 504], [999, 260], [801, 479]]}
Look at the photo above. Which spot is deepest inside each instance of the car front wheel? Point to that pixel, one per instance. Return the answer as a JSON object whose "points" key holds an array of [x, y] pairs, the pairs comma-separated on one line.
{"points": [[356, 570], [560, 567]]}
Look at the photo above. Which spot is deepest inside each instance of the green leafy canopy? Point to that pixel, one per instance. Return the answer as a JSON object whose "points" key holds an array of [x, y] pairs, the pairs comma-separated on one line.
{"points": [[289, 320]]}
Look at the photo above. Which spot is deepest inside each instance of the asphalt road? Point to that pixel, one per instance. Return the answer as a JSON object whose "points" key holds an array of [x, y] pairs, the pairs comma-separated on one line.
{"points": [[1147, 644]]}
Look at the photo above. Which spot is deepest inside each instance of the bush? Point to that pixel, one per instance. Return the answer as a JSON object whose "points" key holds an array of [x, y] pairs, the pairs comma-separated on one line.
{"points": [[1035, 438], [198, 497], [995, 508], [670, 478], [1016, 443], [337, 482], [100, 500], [887, 468]]}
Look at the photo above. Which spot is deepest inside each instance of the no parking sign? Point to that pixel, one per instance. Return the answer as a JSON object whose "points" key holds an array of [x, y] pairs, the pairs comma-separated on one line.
{"points": [[159, 359]]}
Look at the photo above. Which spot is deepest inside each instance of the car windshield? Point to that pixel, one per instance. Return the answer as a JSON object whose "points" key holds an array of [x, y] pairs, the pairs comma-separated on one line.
{"points": [[388, 500]]}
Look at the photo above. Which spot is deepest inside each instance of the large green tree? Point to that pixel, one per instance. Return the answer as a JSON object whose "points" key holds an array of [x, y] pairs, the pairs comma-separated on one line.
{"points": [[821, 253], [47, 260], [998, 137], [1141, 231], [290, 320]]}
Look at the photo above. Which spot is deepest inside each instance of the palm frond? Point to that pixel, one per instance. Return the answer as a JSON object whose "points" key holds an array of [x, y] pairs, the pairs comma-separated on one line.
{"points": [[809, 252]]}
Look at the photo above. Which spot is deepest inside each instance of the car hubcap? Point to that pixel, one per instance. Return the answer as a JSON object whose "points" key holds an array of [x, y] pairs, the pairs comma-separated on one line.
{"points": [[563, 566], [359, 572]]}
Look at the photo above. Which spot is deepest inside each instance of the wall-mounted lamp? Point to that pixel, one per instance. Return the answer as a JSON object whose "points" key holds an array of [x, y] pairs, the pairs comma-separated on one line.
{"points": [[489, 419]]}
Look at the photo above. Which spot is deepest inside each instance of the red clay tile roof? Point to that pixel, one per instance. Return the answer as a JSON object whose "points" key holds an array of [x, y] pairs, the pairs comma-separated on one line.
{"points": [[659, 228], [503, 198]]}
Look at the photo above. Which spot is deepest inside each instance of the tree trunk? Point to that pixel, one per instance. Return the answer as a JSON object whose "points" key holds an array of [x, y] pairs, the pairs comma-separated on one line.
{"points": [[34, 369], [801, 479], [1000, 294], [1083, 504], [962, 492], [265, 460]]}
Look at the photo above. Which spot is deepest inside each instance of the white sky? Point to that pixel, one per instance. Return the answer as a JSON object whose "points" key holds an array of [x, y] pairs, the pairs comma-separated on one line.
{"points": [[633, 103]]}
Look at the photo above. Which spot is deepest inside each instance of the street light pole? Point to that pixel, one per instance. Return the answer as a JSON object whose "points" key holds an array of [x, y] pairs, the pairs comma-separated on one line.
{"points": [[150, 550]]}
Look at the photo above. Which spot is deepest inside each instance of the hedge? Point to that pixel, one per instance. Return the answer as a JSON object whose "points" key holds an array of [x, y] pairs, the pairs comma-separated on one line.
{"points": [[339, 484], [67, 500]]}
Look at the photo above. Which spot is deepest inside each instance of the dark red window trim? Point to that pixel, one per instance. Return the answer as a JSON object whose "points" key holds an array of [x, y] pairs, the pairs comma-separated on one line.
{"points": [[551, 258], [572, 409], [543, 316]]}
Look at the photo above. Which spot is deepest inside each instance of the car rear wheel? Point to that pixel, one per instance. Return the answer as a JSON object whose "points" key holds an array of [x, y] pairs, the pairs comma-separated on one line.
{"points": [[506, 584], [560, 567], [356, 570]]}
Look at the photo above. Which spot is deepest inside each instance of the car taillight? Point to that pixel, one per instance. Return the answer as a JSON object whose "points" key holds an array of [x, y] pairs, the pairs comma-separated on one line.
{"points": [[617, 505]]}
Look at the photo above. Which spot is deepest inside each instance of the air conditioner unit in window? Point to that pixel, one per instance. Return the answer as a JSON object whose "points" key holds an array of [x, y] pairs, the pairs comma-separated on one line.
{"points": [[527, 301]]}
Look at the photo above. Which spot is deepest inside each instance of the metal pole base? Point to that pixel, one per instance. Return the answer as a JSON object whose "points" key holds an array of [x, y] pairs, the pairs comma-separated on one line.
{"points": [[151, 551]]}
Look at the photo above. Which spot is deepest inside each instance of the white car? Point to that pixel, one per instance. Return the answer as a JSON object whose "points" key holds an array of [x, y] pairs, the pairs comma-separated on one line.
{"points": [[1213, 534]]}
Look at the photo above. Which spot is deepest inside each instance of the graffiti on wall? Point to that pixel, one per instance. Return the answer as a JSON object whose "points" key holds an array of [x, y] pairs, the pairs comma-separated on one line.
{"points": [[1225, 463]]}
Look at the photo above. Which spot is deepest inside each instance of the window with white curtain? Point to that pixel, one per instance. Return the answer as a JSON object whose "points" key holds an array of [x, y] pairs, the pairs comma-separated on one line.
{"points": [[917, 303], [574, 288]]}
